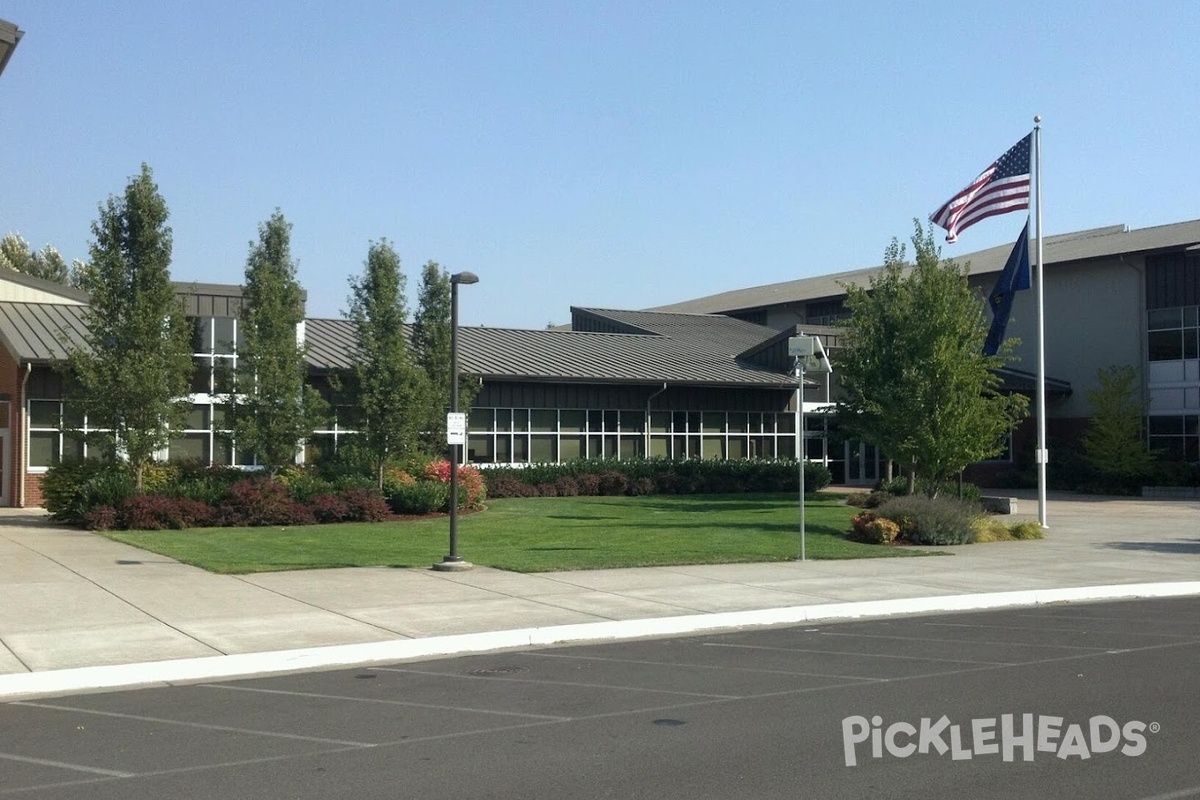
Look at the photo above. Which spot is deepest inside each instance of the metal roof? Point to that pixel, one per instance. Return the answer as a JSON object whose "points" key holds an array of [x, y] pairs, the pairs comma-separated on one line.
{"points": [[1061, 249], [679, 348], [35, 332]]}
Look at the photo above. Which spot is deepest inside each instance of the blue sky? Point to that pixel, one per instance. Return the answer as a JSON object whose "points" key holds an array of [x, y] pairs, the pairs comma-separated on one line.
{"points": [[605, 154]]}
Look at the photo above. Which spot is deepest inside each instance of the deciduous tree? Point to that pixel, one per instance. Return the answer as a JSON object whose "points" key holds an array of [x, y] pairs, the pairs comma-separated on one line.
{"points": [[132, 377], [392, 391], [1113, 442], [272, 409], [913, 373]]}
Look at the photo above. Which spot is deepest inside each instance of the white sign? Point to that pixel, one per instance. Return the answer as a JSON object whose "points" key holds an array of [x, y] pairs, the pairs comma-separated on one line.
{"points": [[456, 428], [810, 353], [801, 345]]}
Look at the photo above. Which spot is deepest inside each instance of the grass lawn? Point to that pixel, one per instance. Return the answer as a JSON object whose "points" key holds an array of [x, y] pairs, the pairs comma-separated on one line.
{"points": [[539, 535]]}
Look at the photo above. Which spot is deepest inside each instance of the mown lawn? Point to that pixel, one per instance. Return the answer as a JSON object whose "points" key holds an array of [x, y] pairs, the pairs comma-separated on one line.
{"points": [[539, 535]]}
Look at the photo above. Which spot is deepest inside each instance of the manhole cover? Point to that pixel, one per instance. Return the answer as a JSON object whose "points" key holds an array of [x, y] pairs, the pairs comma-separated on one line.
{"points": [[669, 723], [505, 669], [126, 562]]}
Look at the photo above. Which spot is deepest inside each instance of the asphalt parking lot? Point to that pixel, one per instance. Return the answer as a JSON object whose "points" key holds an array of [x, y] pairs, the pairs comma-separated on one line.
{"points": [[767, 713]]}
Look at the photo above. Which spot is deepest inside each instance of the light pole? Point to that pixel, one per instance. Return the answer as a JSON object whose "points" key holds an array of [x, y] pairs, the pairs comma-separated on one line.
{"points": [[455, 427]]}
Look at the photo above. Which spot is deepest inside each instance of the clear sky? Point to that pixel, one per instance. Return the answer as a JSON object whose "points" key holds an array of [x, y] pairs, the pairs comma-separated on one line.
{"points": [[605, 154]]}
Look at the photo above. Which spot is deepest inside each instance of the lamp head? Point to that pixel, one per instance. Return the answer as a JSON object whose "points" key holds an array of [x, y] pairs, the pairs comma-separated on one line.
{"points": [[464, 277]]}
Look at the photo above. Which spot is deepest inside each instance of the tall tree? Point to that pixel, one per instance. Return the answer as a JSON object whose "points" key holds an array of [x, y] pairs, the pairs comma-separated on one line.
{"points": [[393, 392], [272, 409], [431, 349], [915, 380], [1113, 442], [47, 263], [132, 377]]}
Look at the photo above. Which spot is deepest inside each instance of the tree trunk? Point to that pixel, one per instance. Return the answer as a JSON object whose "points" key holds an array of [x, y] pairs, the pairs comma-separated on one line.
{"points": [[912, 478]]}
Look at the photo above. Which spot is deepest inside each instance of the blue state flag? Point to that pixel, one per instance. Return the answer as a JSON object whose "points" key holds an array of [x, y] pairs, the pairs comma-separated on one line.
{"points": [[1013, 278]]}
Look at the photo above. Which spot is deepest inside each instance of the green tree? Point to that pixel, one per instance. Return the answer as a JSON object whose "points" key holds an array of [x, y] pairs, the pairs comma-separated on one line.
{"points": [[392, 391], [1112, 443], [272, 409], [133, 375], [431, 350], [913, 373], [47, 263]]}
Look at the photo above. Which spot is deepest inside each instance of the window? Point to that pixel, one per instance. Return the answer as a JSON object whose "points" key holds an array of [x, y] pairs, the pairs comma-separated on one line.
{"points": [[56, 432], [517, 435], [1177, 436], [1173, 333]]}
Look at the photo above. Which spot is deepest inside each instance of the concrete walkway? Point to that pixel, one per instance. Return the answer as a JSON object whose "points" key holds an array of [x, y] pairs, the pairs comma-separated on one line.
{"points": [[71, 600]]}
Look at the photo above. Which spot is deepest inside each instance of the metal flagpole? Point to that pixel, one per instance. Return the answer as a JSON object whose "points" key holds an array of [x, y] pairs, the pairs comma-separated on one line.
{"points": [[1042, 453]]}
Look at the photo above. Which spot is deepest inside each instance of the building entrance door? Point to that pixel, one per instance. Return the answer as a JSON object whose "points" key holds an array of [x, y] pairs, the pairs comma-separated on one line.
{"points": [[862, 464]]}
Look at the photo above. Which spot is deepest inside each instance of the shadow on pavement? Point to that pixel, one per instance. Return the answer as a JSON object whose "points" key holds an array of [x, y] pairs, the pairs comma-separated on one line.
{"points": [[1187, 546]]}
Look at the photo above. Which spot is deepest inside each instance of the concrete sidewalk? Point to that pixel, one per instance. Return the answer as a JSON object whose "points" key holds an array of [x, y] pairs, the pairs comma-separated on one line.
{"points": [[71, 600]]}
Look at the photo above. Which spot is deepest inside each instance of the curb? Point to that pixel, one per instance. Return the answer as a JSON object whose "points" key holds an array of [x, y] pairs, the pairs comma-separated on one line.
{"points": [[26, 685]]}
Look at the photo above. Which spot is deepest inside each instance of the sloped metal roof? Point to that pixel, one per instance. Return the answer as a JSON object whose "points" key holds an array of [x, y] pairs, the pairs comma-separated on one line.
{"points": [[36, 332], [714, 332], [579, 356], [1061, 249]]}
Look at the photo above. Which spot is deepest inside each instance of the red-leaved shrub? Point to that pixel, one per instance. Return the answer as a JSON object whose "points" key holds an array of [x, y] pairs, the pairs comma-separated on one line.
{"points": [[364, 505], [261, 501], [472, 490]]}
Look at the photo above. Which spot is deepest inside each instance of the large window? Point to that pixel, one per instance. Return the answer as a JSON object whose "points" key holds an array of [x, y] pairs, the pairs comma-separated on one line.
{"points": [[1176, 436], [1174, 333], [52, 434], [518, 435]]}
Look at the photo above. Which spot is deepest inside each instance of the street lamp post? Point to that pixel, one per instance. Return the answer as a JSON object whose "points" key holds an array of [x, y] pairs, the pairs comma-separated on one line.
{"points": [[454, 434]]}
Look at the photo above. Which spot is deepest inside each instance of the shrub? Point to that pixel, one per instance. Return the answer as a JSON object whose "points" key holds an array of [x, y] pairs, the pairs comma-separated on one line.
{"points": [[153, 512], [546, 490], [394, 477], [261, 501], [613, 483], [898, 487], [989, 529], [100, 518], [1026, 530], [472, 490], [665, 476], [642, 486], [327, 508], [566, 486], [72, 488], [158, 478], [866, 499], [932, 521], [204, 483], [870, 528], [303, 484], [504, 485], [363, 505], [421, 497], [589, 484]]}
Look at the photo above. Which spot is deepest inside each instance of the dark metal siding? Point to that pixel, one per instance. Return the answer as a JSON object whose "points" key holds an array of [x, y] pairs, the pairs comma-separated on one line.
{"points": [[1172, 279]]}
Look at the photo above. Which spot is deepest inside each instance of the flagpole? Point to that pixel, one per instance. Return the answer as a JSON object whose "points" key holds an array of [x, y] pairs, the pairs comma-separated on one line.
{"points": [[1042, 453]]}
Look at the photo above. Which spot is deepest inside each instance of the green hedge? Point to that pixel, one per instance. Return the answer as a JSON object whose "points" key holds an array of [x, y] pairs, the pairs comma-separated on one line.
{"points": [[653, 476]]}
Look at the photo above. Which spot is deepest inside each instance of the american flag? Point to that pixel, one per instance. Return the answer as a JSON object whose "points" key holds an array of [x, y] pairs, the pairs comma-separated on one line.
{"points": [[1001, 188]]}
